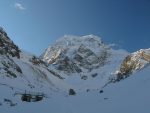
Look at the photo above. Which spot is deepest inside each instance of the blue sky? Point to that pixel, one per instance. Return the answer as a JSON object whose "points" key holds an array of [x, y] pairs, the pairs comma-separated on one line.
{"points": [[35, 24]]}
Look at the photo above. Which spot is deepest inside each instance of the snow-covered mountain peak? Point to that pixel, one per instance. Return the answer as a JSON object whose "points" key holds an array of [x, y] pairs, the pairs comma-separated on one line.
{"points": [[85, 58], [70, 44], [71, 40]]}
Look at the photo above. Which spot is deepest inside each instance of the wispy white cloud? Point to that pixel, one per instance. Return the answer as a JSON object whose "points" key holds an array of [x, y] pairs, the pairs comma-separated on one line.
{"points": [[112, 45], [19, 6]]}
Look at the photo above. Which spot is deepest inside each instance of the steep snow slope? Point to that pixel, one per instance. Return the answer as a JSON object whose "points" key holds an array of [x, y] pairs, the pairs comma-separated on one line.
{"points": [[20, 71], [32, 76]]}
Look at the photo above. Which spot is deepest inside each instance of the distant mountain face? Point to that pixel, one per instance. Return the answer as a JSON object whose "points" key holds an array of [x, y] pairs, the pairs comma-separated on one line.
{"points": [[88, 55], [83, 61], [72, 54]]}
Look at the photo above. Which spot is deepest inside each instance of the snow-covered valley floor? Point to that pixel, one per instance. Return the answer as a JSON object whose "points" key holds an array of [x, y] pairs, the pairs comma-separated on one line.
{"points": [[127, 96]]}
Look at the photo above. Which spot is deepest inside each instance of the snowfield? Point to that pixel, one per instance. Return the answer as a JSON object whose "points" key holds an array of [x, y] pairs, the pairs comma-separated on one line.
{"points": [[127, 96]]}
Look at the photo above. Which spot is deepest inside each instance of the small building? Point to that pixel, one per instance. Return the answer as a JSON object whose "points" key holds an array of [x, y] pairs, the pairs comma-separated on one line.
{"points": [[31, 97]]}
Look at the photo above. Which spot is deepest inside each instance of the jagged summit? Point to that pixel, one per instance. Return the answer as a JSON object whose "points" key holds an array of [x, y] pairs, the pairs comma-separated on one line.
{"points": [[73, 53], [71, 43], [71, 40]]}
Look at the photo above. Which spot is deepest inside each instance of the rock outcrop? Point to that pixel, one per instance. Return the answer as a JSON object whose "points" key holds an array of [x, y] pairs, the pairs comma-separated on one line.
{"points": [[7, 47], [133, 62]]}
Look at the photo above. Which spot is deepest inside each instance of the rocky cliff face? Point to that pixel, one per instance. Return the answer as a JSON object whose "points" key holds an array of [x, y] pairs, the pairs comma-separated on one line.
{"points": [[7, 46], [134, 62], [7, 50]]}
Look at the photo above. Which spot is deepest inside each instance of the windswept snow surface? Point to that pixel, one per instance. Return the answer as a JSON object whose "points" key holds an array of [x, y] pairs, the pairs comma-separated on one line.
{"points": [[127, 96]]}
